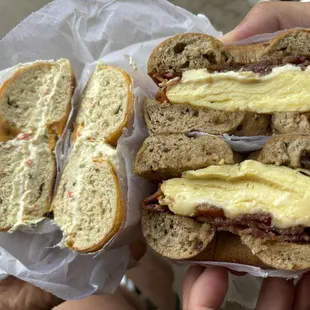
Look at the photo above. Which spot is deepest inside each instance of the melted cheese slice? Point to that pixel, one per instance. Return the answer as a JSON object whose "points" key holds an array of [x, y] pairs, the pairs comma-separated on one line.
{"points": [[248, 188], [285, 89]]}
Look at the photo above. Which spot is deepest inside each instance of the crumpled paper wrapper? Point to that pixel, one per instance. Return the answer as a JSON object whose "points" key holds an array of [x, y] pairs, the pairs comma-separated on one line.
{"points": [[86, 31]]}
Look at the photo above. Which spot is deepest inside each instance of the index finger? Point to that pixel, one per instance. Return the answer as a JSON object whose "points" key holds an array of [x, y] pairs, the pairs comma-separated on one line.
{"points": [[268, 17]]}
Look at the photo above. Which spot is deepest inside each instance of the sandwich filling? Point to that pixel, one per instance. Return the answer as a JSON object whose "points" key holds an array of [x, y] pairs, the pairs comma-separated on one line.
{"points": [[251, 197], [284, 89]]}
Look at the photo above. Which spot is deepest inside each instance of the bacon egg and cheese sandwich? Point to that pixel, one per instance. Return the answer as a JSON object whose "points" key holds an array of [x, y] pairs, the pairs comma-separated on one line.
{"points": [[214, 203]]}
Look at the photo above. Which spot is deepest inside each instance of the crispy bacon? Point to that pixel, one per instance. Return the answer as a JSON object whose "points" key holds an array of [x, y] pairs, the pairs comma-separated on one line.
{"points": [[161, 96], [257, 224], [152, 199], [156, 207], [206, 210]]}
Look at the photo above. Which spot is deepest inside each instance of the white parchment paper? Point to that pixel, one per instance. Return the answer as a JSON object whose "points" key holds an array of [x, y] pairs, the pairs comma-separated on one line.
{"points": [[86, 31], [237, 143]]}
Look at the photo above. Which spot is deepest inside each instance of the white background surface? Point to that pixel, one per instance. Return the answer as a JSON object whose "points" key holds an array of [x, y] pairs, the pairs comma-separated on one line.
{"points": [[14, 11]]}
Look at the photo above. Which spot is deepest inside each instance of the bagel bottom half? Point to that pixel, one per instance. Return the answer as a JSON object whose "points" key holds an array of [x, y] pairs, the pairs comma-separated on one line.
{"points": [[182, 238]]}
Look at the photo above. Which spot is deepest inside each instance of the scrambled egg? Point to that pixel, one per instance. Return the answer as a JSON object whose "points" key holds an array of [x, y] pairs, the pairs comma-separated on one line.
{"points": [[247, 188], [285, 89]]}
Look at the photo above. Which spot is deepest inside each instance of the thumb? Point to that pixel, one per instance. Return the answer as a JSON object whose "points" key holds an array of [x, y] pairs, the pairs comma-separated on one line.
{"points": [[268, 17]]}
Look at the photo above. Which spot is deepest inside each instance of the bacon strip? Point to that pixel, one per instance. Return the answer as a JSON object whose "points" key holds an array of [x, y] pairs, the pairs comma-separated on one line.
{"points": [[152, 199], [258, 224]]}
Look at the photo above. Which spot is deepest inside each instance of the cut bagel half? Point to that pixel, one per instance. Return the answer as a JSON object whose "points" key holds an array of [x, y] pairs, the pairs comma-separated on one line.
{"points": [[35, 101], [106, 105], [88, 207]]}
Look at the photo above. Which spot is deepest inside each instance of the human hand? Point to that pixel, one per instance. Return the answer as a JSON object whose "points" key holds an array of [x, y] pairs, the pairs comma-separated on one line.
{"points": [[16, 294], [268, 17], [205, 289]]}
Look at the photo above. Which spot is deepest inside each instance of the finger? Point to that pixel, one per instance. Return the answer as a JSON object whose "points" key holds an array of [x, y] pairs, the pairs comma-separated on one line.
{"points": [[209, 291], [276, 294], [17, 294], [116, 301], [268, 17], [154, 277], [302, 296], [190, 278], [138, 249]]}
